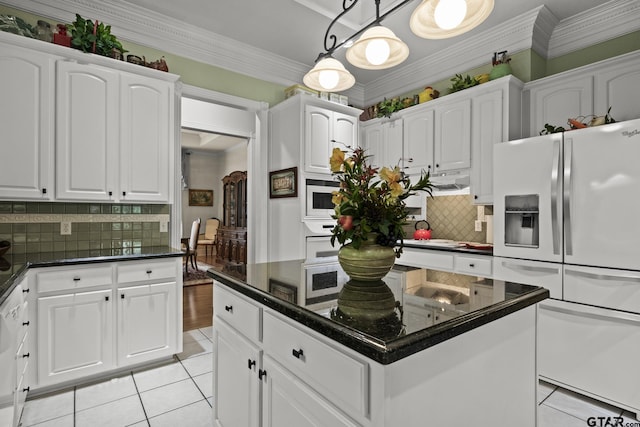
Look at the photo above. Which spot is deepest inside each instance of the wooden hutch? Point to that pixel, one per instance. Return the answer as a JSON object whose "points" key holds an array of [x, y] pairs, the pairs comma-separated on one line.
{"points": [[231, 246]]}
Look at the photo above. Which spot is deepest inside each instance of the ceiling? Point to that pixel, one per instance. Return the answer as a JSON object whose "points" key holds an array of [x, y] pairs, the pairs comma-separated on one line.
{"points": [[294, 30], [206, 142]]}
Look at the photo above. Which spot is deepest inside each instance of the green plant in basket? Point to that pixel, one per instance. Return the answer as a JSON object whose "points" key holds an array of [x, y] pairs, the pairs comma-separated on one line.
{"points": [[459, 83], [371, 201], [94, 37]]}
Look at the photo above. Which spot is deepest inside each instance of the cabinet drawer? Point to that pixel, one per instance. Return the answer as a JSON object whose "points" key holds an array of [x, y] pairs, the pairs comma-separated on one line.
{"points": [[476, 266], [146, 270], [237, 312], [73, 278], [340, 378], [589, 349], [427, 259], [616, 289]]}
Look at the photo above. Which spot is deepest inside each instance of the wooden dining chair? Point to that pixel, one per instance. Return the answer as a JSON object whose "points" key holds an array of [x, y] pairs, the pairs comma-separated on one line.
{"points": [[192, 246], [208, 239]]}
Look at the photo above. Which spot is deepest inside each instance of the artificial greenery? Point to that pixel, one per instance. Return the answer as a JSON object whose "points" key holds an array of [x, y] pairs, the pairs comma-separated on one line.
{"points": [[83, 37], [549, 129], [459, 83], [389, 106], [369, 201]]}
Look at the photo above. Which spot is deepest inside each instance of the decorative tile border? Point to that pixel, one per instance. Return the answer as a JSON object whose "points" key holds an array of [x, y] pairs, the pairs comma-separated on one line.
{"points": [[39, 218]]}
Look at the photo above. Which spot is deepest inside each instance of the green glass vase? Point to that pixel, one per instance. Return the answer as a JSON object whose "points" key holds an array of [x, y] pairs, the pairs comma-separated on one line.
{"points": [[500, 70]]}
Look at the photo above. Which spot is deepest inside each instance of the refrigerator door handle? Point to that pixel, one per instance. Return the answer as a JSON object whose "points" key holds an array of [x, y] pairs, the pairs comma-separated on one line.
{"points": [[514, 266], [555, 181], [620, 278], [568, 153]]}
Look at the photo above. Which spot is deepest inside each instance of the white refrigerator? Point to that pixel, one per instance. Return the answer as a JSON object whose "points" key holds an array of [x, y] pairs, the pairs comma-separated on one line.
{"points": [[566, 217]]}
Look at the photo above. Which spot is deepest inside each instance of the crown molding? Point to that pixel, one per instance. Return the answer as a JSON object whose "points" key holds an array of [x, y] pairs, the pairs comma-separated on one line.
{"points": [[538, 29], [513, 35], [612, 19], [144, 27], [543, 30]]}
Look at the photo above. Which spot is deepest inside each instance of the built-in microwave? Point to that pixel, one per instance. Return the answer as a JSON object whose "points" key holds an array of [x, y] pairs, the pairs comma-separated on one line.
{"points": [[319, 194]]}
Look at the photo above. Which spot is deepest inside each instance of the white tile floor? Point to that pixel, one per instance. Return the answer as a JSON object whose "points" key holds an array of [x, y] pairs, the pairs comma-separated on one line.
{"points": [[179, 393]]}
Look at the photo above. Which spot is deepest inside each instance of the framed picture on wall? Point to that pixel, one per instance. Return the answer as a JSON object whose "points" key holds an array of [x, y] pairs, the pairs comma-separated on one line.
{"points": [[283, 183], [200, 197]]}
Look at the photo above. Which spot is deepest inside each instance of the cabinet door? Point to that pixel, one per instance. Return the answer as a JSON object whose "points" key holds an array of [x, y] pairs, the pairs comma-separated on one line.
{"points": [[373, 144], [453, 136], [287, 401], [318, 137], [75, 336], [236, 387], [393, 146], [560, 100], [26, 119], [146, 126], [418, 142], [87, 132], [488, 129], [146, 322], [618, 88], [344, 132]]}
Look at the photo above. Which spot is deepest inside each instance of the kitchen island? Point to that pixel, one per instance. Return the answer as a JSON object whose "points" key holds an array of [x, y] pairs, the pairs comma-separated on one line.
{"points": [[296, 364]]}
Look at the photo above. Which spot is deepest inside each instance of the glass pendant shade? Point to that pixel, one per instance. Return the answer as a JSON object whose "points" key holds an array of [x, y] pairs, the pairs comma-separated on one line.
{"points": [[436, 19], [376, 49], [329, 75]]}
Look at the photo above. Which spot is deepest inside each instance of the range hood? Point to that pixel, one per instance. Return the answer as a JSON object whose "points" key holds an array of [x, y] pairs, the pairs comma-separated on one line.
{"points": [[455, 180]]}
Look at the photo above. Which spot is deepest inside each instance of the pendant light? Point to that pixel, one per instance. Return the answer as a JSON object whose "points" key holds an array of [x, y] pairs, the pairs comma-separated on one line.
{"points": [[439, 19], [378, 48], [329, 75]]}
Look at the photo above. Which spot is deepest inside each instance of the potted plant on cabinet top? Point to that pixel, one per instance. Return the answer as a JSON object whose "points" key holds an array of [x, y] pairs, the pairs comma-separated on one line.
{"points": [[94, 37]]}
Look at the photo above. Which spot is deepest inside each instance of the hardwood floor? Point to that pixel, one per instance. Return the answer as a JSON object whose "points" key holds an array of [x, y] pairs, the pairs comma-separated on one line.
{"points": [[197, 302]]}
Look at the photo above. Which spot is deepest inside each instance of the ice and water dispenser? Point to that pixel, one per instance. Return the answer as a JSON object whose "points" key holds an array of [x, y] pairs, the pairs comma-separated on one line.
{"points": [[521, 221]]}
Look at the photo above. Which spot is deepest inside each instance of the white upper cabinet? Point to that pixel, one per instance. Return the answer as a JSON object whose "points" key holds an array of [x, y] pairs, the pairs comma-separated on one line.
{"points": [[145, 141], [452, 149], [418, 142], [87, 132], [555, 102], [585, 91], [114, 135], [325, 130], [619, 88], [26, 120]]}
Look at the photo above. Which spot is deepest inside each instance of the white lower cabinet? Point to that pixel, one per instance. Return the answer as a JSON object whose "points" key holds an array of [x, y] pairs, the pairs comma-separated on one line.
{"points": [[15, 355], [147, 318], [288, 401], [284, 378], [75, 335], [236, 387], [93, 319]]}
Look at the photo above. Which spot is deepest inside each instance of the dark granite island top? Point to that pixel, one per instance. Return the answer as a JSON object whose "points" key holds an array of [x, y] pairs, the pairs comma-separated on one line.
{"points": [[390, 341], [13, 267]]}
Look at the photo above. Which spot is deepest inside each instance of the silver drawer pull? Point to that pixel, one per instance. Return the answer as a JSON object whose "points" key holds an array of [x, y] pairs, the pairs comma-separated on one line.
{"points": [[621, 278]]}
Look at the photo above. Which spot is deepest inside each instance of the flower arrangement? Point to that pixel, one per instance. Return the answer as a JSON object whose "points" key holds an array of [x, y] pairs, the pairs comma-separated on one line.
{"points": [[371, 201]]}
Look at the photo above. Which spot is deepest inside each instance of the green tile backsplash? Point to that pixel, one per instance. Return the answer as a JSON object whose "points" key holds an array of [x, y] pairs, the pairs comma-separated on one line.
{"points": [[94, 226]]}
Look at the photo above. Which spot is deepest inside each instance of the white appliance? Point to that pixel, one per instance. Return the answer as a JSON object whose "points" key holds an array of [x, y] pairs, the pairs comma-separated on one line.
{"points": [[318, 198], [566, 210]]}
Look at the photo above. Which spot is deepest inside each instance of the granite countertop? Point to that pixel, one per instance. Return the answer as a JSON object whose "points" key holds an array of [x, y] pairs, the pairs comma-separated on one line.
{"points": [[393, 338], [13, 267], [462, 247]]}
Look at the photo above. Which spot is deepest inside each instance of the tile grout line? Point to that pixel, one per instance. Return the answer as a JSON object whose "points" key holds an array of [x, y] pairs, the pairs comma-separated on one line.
{"points": [[146, 417], [194, 381], [548, 396]]}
